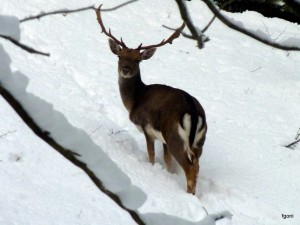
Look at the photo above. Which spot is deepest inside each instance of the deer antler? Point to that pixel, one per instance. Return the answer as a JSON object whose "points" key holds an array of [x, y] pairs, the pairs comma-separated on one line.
{"points": [[163, 42], [98, 13]]}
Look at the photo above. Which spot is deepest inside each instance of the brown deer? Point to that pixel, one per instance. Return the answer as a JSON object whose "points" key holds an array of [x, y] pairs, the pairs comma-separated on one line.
{"points": [[161, 112]]}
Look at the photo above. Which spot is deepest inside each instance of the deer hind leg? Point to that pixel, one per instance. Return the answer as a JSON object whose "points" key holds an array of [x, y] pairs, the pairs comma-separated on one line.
{"points": [[189, 163], [191, 169], [190, 166], [168, 158]]}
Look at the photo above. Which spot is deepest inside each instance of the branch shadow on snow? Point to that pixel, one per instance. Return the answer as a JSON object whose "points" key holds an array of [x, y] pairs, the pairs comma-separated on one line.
{"points": [[79, 147]]}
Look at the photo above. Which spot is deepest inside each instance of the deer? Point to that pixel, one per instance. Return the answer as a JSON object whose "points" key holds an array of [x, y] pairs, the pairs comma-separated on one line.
{"points": [[161, 112]]}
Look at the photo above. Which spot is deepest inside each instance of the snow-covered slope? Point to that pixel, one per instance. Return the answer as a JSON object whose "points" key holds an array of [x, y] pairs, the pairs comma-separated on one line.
{"points": [[250, 93], [38, 185]]}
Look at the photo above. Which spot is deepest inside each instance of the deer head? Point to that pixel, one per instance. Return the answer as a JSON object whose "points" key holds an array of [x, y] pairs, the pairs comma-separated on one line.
{"points": [[129, 58]]}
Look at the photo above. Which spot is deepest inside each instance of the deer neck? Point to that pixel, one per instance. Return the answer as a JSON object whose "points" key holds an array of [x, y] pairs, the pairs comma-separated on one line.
{"points": [[131, 89]]}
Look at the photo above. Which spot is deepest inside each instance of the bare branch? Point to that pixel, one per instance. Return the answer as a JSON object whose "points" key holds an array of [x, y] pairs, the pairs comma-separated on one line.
{"points": [[205, 39], [61, 11], [24, 47], [201, 38], [118, 6], [196, 33], [66, 11], [183, 33], [233, 26]]}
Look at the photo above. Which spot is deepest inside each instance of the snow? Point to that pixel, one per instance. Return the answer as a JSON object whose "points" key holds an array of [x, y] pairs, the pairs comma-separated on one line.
{"points": [[38, 185], [250, 93]]}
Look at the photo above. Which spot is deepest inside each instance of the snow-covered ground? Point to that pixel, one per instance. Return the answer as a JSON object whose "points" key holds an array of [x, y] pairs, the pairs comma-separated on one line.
{"points": [[251, 94]]}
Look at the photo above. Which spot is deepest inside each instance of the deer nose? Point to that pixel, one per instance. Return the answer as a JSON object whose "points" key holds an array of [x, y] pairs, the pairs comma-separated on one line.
{"points": [[126, 70]]}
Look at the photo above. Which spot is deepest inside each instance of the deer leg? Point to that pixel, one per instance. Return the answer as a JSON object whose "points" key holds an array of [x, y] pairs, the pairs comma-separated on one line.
{"points": [[150, 147], [189, 165], [168, 158], [191, 172], [191, 169]]}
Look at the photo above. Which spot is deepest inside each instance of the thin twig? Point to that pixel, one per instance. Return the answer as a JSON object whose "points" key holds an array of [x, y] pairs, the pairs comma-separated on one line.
{"points": [[7, 133], [114, 133], [122, 141], [94, 131], [61, 11], [118, 6], [24, 47], [252, 71], [205, 210], [293, 143], [208, 25], [78, 215], [214, 17], [298, 134], [183, 33], [205, 39], [65, 11], [297, 140]]}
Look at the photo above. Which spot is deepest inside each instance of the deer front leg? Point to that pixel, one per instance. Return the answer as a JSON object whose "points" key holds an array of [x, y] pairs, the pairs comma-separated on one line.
{"points": [[150, 147], [168, 158]]}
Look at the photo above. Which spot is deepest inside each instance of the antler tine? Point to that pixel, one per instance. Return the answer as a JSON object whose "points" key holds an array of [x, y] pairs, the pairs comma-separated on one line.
{"points": [[99, 18], [175, 35]]}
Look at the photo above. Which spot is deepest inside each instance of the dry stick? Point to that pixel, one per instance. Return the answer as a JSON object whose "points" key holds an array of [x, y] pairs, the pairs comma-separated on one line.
{"points": [[62, 11], [242, 30], [183, 33], [24, 47]]}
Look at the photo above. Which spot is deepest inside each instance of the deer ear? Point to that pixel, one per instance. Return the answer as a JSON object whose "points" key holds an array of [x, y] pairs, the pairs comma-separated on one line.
{"points": [[114, 47], [148, 53]]}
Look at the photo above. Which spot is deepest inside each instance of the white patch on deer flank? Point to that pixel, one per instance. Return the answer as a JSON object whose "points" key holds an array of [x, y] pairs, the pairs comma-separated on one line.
{"points": [[184, 133], [199, 133], [155, 133]]}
